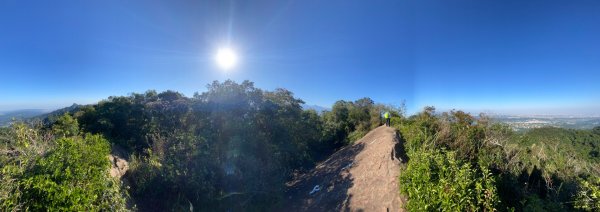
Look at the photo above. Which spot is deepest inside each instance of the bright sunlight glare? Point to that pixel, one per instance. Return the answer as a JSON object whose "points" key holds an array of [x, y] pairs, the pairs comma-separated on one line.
{"points": [[226, 58]]}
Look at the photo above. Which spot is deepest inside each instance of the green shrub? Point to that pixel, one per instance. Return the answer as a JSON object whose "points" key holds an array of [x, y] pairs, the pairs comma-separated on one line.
{"points": [[588, 197], [73, 176], [10, 194], [536, 170], [65, 126], [40, 173], [437, 181], [356, 135], [20, 146]]}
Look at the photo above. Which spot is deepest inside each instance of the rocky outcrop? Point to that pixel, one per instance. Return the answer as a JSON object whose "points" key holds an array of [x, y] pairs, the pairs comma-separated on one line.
{"points": [[118, 166], [360, 177]]}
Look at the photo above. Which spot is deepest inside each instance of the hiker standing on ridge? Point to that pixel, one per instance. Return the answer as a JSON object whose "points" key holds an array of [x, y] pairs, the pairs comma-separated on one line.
{"points": [[386, 115]]}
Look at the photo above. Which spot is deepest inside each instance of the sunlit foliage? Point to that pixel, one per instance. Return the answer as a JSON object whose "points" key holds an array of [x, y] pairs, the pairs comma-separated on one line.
{"points": [[231, 147], [547, 169], [69, 173]]}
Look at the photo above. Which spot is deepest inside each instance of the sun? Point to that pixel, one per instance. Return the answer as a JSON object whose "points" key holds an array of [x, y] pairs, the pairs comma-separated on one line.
{"points": [[226, 58]]}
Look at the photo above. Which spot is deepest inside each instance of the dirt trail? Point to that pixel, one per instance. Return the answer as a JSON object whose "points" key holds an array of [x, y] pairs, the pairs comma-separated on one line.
{"points": [[361, 177]]}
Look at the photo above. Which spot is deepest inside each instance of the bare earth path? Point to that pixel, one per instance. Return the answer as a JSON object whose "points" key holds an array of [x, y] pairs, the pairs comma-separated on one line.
{"points": [[361, 177]]}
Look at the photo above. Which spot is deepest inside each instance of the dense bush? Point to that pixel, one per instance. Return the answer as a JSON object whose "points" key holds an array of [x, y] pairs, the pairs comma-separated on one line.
{"points": [[548, 169], [349, 121], [596, 130], [68, 173], [231, 147], [437, 181], [234, 146], [588, 197], [73, 176]]}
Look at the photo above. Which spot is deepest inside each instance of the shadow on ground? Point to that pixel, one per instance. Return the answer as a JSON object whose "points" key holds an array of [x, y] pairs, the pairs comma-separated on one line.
{"points": [[333, 180], [360, 177], [399, 152]]}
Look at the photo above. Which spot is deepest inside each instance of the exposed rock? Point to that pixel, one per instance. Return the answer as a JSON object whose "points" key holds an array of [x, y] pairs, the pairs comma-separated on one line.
{"points": [[118, 166]]}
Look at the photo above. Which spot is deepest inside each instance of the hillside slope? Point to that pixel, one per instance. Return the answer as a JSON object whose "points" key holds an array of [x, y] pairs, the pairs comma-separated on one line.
{"points": [[363, 176]]}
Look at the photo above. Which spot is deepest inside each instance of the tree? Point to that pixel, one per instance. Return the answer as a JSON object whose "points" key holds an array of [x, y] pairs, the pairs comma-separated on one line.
{"points": [[66, 126], [218, 148], [596, 130]]}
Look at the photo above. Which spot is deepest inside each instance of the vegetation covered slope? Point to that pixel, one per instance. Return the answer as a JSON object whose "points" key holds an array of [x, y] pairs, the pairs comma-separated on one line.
{"points": [[59, 169], [462, 163], [232, 147]]}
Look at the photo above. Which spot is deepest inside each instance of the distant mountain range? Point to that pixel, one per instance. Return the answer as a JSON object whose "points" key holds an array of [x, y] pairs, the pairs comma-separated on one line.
{"points": [[8, 116], [51, 117], [45, 115]]}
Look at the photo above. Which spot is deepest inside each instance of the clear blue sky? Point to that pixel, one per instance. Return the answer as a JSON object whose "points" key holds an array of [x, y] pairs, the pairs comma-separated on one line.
{"points": [[507, 56]]}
